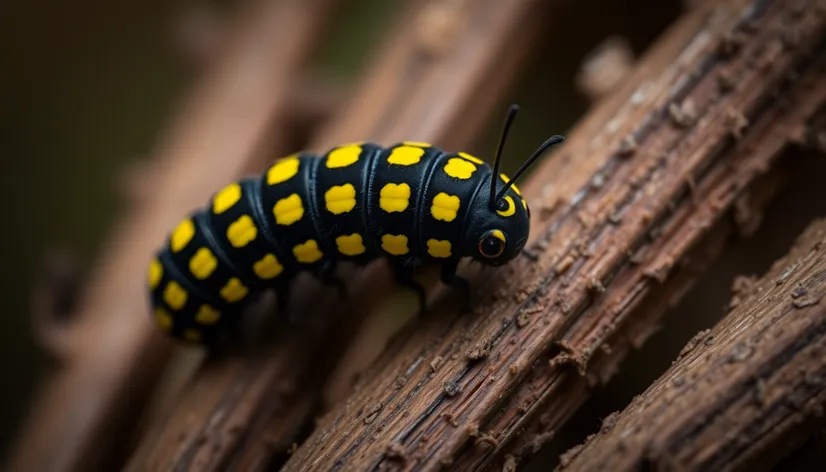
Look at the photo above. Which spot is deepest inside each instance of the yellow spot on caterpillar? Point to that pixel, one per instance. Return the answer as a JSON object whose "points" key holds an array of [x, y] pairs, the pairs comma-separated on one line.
{"points": [[283, 170], [459, 168], [395, 244], [288, 210], [307, 252], [207, 315], [203, 263], [192, 335], [405, 155], [438, 248], [226, 198], [163, 319], [174, 295], [445, 207], [416, 143], [511, 208], [340, 199], [524, 204], [505, 179], [350, 245], [155, 273], [242, 231], [182, 234], [394, 197], [268, 267], [472, 159], [343, 156], [234, 290], [498, 234]]}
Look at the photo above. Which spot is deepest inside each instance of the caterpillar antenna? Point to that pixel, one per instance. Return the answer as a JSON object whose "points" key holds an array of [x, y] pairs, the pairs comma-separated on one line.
{"points": [[552, 141], [512, 111]]}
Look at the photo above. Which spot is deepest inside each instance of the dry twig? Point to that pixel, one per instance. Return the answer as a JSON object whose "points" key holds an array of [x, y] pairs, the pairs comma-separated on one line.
{"points": [[742, 395]]}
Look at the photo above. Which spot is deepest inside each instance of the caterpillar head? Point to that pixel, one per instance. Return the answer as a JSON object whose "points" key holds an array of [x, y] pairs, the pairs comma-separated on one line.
{"points": [[500, 220], [498, 235]]}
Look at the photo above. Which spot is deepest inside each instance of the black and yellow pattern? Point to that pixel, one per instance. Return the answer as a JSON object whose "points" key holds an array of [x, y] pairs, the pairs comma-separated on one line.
{"points": [[410, 203]]}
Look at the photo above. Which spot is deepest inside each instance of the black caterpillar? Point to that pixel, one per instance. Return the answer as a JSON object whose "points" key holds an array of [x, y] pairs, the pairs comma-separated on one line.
{"points": [[410, 203]]}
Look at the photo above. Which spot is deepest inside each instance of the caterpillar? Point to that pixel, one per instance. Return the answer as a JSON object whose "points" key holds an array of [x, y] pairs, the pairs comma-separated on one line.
{"points": [[410, 203]]}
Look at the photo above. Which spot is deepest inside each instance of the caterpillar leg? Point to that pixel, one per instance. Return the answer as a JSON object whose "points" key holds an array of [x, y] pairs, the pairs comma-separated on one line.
{"points": [[328, 276], [234, 338], [282, 296], [450, 278], [404, 277], [532, 256]]}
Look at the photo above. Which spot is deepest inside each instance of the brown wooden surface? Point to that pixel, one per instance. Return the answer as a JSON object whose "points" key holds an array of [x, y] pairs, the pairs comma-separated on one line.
{"points": [[638, 184], [742, 189], [116, 353], [644, 317], [741, 395], [244, 410]]}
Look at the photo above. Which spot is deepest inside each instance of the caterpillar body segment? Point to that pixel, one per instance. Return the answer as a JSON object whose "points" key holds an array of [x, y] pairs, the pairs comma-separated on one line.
{"points": [[410, 203]]}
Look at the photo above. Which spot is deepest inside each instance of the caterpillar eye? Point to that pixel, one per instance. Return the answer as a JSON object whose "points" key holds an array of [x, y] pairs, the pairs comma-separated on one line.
{"points": [[492, 245]]}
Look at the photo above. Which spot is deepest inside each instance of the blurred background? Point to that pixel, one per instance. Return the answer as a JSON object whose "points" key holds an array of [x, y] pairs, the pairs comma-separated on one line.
{"points": [[89, 86]]}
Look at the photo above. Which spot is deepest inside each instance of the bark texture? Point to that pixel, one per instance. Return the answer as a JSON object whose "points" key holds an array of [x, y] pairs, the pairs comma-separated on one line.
{"points": [[741, 395], [638, 185]]}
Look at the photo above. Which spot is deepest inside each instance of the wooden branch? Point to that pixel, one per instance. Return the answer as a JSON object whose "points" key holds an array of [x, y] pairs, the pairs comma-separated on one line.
{"points": [[117, 353], [447, 65], [738, 397], [245, 410], [644, 319], [309, 104], [638, 184]]}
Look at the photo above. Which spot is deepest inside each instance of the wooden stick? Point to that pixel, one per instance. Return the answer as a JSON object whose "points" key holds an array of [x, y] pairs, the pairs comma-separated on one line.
{"points": [[618, 210], [245, 411], [568, 393], [741, 396], [117, 353]]}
